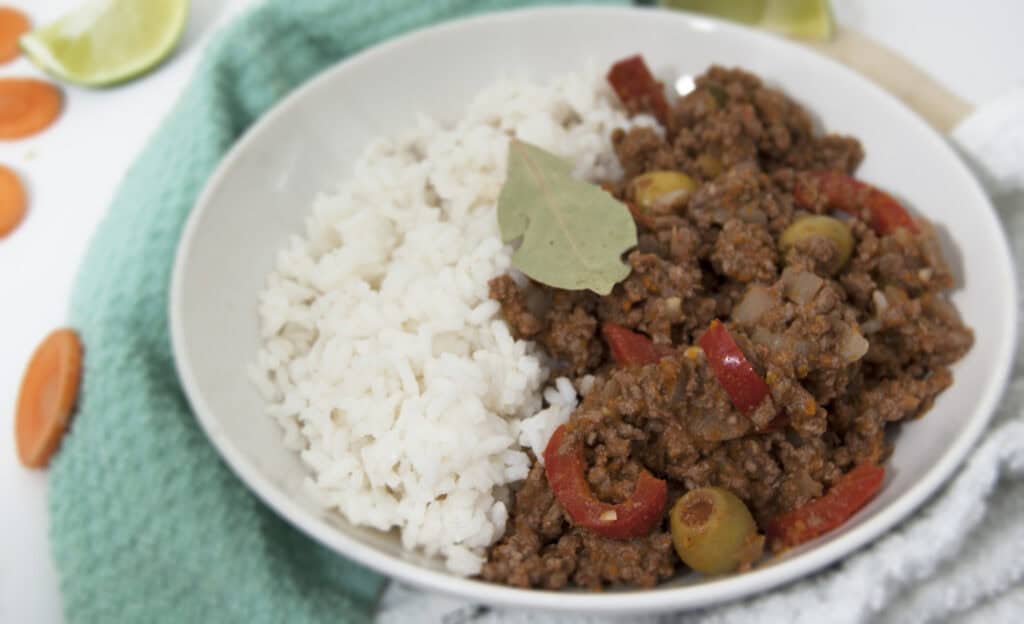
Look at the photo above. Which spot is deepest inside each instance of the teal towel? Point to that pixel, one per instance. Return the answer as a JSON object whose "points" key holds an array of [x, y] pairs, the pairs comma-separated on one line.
{"points": [[147, 524]]}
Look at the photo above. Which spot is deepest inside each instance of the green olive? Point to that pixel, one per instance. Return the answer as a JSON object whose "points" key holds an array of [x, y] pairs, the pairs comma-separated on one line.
{"points": [[820, 225], [713, 531], [656, 191]]}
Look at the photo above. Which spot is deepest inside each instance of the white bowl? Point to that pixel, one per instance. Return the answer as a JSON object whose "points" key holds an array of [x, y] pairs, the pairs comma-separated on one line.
{"points": [[263, 190]]}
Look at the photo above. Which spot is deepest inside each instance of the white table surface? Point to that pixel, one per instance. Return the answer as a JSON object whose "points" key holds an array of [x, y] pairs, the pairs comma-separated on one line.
{"points": [[72, 170]]}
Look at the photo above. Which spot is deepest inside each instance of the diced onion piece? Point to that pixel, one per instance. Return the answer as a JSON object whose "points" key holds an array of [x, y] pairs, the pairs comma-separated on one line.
{"points": [[871, 326], [756, 301], [880, 301], [765, 338], [800, 286], [854, 346]]}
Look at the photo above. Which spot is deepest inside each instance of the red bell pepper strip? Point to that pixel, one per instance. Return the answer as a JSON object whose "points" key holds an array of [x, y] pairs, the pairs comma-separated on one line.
{"points": [[741, 382], [565, 468], [629, 347], [846, 194], [636, 87], [821, 515]]}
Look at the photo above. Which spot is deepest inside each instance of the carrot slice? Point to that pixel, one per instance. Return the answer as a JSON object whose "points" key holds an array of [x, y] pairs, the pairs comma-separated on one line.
{"points": [[12, 201], [13, 24], [27, 106], [47, 397]]}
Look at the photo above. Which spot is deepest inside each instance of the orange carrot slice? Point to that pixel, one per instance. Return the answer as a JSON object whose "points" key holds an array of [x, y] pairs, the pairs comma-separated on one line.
{"points": [[47, 397], [12, 201], [13, 24], [27, 106]]}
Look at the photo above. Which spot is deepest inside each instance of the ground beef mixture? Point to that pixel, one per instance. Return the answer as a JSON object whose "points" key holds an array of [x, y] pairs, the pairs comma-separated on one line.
{"points": [[844, 353]]}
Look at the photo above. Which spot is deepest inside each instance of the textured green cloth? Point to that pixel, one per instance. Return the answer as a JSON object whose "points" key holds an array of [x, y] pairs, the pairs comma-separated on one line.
{"points": [[147, 524]]}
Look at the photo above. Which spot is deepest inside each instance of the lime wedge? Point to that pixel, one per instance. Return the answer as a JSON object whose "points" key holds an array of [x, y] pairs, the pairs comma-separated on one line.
{"points": [[806, 19], [105, 42]]}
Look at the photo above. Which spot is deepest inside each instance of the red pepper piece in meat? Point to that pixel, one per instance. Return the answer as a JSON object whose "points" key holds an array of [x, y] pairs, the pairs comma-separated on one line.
{"points": [[741, 382], [843, 193], [636, 87], [565, 468], [821, 515], [887, 214], [629, 347], [779, 423]]}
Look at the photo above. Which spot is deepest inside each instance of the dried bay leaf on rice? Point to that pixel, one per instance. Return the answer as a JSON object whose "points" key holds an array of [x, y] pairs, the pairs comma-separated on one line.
{"points": [[571, 233]]}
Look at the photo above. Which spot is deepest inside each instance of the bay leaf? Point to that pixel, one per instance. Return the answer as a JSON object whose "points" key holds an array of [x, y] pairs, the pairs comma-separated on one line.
{"points": [[571, 233]]}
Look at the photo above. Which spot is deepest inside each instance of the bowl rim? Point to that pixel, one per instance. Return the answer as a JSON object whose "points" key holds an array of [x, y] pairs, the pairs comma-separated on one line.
{"points": [[660, 598]]}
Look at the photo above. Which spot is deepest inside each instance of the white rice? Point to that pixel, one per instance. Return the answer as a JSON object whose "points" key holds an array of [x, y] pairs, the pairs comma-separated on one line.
{"points": [[386, 364]]}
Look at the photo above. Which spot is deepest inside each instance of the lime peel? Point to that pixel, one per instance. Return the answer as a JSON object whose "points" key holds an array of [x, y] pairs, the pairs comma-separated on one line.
{"points": [[806, 19]]}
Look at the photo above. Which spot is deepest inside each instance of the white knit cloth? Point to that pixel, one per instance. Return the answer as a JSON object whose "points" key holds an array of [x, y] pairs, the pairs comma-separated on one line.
{"points": [[959, 559]]}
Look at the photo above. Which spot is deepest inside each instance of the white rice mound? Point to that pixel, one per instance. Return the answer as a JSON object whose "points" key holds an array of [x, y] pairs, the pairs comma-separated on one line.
{"points": [[387, 366]]}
